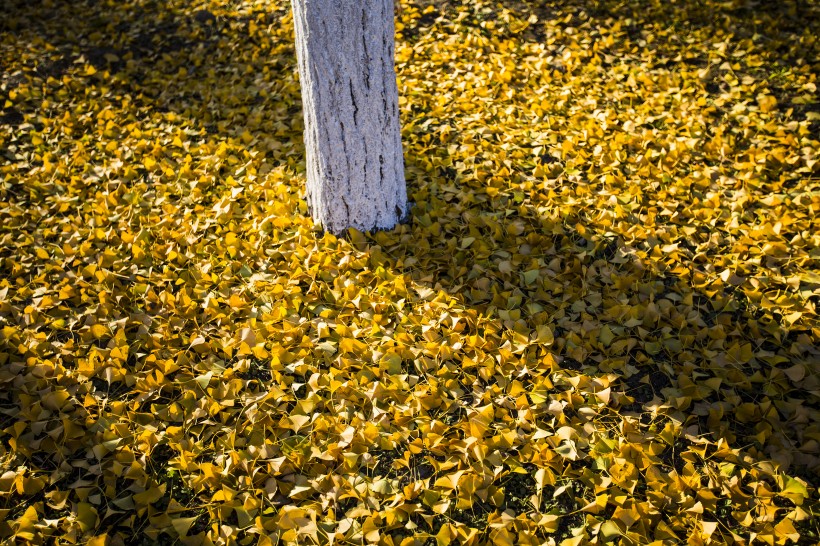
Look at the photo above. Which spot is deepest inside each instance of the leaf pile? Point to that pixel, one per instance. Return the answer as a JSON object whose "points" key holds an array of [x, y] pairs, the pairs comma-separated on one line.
{"points": [[600, 324]]}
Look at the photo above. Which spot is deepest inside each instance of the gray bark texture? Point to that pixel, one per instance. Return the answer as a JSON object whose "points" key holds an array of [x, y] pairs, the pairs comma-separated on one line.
{"points": [[355, 166]]}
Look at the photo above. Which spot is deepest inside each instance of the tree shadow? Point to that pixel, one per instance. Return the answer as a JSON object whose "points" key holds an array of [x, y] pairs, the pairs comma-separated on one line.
{"points": [[715, 361], [694, 363]]}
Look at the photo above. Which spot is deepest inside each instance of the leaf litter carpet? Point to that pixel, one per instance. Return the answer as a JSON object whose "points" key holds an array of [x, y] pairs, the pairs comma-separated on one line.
{"points": [[599, 324]]}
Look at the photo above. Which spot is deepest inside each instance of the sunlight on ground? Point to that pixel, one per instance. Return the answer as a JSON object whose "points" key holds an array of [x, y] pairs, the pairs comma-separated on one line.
{"points": [[599, 324]]}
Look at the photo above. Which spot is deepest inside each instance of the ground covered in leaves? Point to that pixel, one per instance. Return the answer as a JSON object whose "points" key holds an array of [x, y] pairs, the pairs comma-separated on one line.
{"points": [[599, 325]]}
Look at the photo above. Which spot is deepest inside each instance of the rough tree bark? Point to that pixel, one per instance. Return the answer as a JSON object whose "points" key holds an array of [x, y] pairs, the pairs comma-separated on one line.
{"points": [[355, 167]]}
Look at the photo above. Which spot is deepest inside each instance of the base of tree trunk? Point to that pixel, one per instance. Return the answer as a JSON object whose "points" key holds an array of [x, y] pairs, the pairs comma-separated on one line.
{"points": [[355, 167]]}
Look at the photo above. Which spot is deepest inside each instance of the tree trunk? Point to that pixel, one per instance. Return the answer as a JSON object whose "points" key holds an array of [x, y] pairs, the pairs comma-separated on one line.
{"points": [[355, 167]]}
